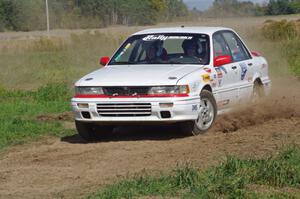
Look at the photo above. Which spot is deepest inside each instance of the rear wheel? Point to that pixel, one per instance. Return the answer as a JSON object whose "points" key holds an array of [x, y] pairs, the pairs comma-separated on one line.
{"points": [[90, 131], [206, 115], [258, 91]]}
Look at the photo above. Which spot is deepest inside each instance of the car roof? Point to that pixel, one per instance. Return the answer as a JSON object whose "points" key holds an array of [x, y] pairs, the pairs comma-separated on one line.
{"points": [[183, 29]]}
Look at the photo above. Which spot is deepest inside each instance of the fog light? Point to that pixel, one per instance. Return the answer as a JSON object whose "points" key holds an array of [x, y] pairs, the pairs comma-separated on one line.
{"points": [[86, 115], [165, 114], [166, 105], [83, 105]]}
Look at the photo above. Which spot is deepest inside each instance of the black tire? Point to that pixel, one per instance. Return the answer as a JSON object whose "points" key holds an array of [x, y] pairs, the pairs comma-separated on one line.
{"points": [[91, 132], [191, 128]]}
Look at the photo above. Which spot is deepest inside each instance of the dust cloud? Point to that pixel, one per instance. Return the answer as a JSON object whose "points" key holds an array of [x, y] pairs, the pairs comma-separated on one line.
{"points": [[283, 102]]}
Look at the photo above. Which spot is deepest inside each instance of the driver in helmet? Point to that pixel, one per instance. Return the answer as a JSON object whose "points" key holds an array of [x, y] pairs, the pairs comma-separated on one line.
{"points": [[191, 48], [155, 52], [195, 48]]}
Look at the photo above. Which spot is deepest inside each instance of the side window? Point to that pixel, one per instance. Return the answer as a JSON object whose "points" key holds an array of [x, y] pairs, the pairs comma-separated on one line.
{"points": [[220, 46], [237, 49]]}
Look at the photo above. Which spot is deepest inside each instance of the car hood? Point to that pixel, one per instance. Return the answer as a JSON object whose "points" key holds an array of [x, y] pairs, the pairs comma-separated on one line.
{"points": [[137, 75]]}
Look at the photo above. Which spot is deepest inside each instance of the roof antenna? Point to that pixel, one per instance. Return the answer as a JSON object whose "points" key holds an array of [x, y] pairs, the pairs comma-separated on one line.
{"points": [[182, 26]]}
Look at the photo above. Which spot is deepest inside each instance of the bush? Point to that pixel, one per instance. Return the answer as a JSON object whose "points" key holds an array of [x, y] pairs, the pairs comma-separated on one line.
{"points": [[280, 30]]}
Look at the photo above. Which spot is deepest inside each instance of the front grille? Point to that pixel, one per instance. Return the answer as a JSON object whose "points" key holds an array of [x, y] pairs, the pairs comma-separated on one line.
{"points": [[124, 109], [125, 91]]}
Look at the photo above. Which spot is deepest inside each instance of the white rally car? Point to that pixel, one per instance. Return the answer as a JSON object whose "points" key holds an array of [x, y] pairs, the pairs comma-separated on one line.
{"points": [[182, 75]]}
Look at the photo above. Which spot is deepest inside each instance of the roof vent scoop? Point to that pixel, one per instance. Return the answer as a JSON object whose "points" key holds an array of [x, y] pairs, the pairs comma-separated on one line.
{"points": [[182, 26]]}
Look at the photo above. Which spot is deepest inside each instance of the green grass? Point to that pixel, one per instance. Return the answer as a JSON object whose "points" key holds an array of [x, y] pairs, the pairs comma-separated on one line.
{"points": [[19, 111], [231, 179]]}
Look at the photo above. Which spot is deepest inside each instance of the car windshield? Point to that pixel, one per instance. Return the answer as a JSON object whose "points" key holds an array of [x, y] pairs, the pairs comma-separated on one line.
{"points": [[164, 49]]}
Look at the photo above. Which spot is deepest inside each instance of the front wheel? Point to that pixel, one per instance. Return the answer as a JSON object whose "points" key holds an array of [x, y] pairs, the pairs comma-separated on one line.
{"points": [[206, 115]]}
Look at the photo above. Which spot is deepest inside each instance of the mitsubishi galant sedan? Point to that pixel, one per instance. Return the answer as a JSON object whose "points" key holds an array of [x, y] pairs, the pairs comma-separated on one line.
{"points": [[184, 76]]}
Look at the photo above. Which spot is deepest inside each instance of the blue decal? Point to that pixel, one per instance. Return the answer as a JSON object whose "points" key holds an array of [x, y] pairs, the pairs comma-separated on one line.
{"points": [[223, 69], [244, 70], [219, 73], [194, 108]]}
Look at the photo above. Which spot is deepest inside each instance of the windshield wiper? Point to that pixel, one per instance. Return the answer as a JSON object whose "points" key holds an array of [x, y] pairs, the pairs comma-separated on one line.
{"points": [[122, 63]]}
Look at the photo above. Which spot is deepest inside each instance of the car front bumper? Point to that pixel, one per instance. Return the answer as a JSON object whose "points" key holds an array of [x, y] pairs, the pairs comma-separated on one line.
{"points": [[183, 109]]}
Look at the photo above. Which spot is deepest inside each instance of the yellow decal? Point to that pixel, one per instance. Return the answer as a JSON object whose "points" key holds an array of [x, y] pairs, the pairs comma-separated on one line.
{"points": [[127, 46], [206, 77]]}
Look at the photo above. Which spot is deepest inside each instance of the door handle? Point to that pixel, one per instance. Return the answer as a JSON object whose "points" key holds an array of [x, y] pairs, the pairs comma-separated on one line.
{"points": [[250, 64], [234, 67]]}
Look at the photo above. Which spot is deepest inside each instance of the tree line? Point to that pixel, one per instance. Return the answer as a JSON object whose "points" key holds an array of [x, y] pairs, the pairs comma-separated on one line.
{"points": [[248, 8], [29, 15], [26, 15]]}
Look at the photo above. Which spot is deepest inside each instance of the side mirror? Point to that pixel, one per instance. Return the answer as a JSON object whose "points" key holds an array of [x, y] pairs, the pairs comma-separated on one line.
{"points": [[222, 60], [255, 54], [104, 60]]}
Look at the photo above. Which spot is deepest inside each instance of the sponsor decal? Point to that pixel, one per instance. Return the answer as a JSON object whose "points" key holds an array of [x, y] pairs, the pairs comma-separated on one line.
{"points": [[123, 51], [244, 70], [163, 37], [127, 46], [219, 72], [208, 70], [223, 69], [206, 77]]}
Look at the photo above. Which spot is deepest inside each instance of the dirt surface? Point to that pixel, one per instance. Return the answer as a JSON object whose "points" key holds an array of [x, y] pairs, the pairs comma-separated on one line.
{"points": [[65, 116], [69, 167]]}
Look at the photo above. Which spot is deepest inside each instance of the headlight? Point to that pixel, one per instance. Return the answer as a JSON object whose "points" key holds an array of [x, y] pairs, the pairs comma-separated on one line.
{"points": [[88, 90], [183, 89]]}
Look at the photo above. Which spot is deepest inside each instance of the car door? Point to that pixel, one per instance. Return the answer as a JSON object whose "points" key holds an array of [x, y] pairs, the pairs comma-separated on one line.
{"points": [[242, 59], [227, 75]]}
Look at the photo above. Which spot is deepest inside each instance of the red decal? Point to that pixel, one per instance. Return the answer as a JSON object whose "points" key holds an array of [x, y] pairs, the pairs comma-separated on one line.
{"points": [[130, 96]]}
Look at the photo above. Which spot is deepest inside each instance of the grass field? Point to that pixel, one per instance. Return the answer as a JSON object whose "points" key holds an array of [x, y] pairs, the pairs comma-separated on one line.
{"points": [[273, 177], [20, 111], [31, 64]]}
